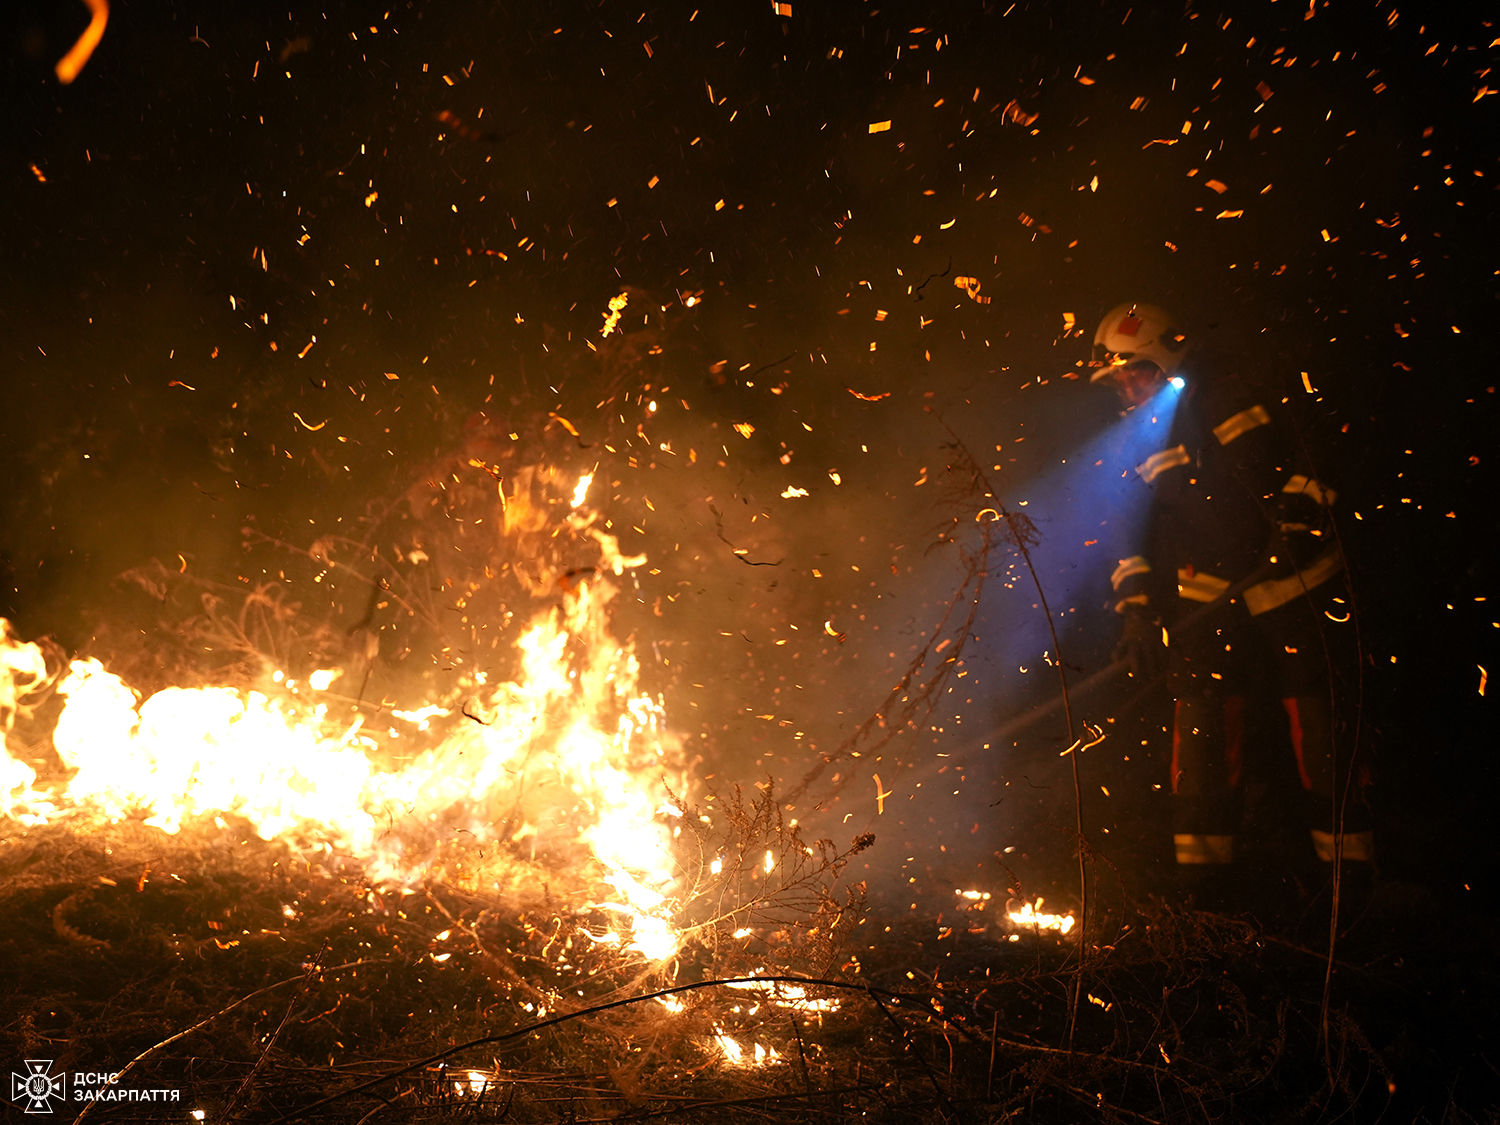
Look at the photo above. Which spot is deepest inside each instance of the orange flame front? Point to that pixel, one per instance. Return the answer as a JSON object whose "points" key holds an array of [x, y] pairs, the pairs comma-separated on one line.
{"points": [[569, 752]]}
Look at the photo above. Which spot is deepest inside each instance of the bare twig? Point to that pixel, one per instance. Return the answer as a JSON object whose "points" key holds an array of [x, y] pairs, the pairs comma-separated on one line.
{"points": [[566, 1017], [1096, 1101], [989, 1085], [149, 1051], [916, 1052], [801, 1053], [244, 1086], [385, 1103], [1023, 536], [911, 696], [685, 1106]]}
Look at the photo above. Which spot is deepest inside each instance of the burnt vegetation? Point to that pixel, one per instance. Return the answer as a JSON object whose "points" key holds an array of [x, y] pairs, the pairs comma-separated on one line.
{"points": [[265, 988]]}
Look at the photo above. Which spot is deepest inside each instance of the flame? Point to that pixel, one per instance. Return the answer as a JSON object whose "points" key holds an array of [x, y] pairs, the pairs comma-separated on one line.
{"points": [[23, 672], [780, 994], [570, 751], [580, 493], [736, 1055], [1031, 915], [472, 1082]]}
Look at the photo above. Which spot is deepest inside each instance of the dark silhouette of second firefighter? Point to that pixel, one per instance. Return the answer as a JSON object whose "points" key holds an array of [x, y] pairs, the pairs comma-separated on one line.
{"points": [[1232, 500]]}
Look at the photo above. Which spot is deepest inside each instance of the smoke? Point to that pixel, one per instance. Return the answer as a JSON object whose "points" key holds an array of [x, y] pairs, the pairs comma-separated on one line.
{"points": [[270, 303]]}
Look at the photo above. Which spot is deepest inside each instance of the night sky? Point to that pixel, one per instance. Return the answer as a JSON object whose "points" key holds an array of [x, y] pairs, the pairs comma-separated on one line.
{"points": [[270, 280]]}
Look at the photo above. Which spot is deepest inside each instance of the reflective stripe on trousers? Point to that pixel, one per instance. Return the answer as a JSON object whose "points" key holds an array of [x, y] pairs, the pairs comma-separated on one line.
{"points": [[1357, 846], [1195, 848]]}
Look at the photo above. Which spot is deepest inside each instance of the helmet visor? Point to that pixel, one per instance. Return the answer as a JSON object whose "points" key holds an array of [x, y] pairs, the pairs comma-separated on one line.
{"points": [[1104, 362]]}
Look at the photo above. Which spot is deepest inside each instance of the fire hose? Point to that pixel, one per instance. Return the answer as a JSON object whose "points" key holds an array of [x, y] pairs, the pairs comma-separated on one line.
{"points": [[1076, 691]]}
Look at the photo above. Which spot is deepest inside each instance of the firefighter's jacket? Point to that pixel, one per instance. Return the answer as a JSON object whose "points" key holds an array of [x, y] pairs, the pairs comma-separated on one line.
{"points": [[1230, 493]]}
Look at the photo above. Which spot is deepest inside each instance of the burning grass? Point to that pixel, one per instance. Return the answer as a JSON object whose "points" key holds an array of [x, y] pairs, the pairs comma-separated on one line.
{"points": [[506, 900]]}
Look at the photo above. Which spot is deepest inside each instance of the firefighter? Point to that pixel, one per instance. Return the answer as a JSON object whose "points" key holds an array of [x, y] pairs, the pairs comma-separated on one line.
{"points": [[1233, 504]]}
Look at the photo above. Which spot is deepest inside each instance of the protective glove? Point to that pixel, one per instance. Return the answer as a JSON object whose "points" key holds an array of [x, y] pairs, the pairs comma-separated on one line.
{"points": [[1141, 642]]}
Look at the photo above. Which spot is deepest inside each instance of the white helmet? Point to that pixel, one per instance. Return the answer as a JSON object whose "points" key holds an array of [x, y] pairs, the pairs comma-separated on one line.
{"points": [[1134, 331]]}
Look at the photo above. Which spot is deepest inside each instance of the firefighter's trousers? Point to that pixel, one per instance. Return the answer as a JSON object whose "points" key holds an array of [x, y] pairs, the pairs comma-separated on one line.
{"points": [[1305, 650]]}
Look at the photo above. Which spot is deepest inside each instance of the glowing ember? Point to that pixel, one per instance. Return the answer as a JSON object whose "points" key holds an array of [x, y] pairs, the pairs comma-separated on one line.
{"points": [[71, 64], [612, 318]]}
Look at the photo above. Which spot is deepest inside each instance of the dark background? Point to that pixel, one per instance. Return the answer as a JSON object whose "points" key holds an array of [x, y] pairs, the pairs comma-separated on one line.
{"points": [[152, 255]]}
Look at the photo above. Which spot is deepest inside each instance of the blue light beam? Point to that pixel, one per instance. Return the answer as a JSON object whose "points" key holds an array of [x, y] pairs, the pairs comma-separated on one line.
{"points": [[1091, 511]]}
